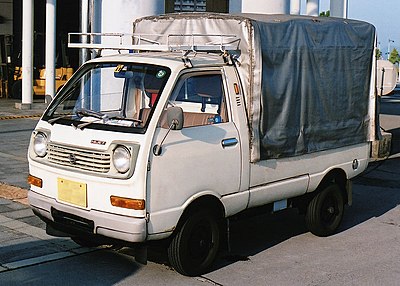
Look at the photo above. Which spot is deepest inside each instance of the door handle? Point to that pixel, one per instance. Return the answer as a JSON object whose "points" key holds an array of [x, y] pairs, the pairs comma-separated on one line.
{"points": [[229, 142]]}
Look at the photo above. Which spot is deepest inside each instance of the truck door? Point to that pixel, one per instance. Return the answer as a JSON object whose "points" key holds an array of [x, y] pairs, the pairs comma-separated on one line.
{"points": [[202, 158]]}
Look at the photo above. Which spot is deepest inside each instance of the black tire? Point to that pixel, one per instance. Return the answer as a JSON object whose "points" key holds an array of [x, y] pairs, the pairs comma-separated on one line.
{"points": [[325, 211], [195, 245], [85, 242]]}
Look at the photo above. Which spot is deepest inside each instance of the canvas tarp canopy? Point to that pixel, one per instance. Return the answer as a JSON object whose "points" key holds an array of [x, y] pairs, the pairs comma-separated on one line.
{"points": [[306, 80]]}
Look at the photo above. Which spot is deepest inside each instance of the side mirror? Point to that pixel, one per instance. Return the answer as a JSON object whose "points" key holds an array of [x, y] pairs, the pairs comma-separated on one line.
{"points": [[175, 118]]}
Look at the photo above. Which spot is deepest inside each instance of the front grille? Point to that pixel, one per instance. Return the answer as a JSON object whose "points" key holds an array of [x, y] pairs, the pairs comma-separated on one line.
{"points": [[87, 160]]}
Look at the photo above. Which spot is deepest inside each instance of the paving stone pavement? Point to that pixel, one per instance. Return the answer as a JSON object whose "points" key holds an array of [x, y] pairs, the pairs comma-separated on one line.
{"points": [[16, 126], [23, 239], [24, 242]]}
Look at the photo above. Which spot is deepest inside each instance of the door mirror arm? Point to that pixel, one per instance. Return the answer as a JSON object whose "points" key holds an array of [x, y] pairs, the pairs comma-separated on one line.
{"points": [[175, 122]]}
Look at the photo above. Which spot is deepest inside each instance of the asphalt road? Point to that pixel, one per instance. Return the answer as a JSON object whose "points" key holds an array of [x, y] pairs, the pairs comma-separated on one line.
{"points": [[266, 250]]}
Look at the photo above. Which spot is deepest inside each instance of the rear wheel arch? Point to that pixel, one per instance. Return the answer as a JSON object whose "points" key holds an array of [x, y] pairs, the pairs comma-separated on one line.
{"points": [[325, 210], [337, 176], [325, 206]]}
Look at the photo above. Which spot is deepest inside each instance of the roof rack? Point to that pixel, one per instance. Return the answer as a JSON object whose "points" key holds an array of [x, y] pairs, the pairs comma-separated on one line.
{"points": [[154, 42]]}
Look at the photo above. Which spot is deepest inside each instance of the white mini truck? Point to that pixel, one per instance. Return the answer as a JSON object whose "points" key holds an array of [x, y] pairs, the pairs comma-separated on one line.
{"points": [[206, 116]]}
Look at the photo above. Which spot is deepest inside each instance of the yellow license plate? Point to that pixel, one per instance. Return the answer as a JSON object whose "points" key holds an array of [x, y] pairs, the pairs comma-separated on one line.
{"points": [[72, 192]]}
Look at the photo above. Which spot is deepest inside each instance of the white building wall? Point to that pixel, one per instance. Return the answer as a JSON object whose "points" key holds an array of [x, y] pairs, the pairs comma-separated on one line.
{"points": [[312, 7], [295, 7], [118, 16], [235, 6], [338, 8], [260, 6]]}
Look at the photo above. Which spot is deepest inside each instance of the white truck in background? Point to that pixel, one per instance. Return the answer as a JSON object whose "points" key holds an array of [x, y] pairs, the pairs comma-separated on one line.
{"points": [[207, 116]]}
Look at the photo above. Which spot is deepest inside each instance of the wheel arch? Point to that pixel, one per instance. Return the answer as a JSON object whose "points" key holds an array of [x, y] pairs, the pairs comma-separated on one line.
{"points": [[209, 202], [339, 177], [195, 241]]}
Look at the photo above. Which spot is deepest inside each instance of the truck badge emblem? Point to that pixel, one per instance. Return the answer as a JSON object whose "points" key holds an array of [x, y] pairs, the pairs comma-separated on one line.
{"points": [[98, 142], [72, 159]]}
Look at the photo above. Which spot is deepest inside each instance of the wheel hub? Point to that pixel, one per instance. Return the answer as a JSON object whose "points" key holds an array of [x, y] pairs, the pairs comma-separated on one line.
{"points": [[331, 210]]}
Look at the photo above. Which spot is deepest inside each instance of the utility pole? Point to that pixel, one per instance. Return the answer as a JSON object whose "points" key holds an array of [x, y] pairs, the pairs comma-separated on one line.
{"points": [[51, 12], [27, 54]]}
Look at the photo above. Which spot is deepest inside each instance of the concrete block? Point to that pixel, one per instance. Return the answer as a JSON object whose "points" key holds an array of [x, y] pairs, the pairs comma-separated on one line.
{"points": [[23, 106]]}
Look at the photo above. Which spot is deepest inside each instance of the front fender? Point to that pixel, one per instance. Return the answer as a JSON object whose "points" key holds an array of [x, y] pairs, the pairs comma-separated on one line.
{"points": [[162, 223]]}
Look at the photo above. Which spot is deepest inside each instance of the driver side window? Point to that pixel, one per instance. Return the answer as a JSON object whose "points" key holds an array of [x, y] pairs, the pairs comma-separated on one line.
{"points": [[201, 97]]}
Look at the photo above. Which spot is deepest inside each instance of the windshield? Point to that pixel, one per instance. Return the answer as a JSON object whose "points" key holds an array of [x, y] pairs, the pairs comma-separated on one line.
{"points": [[109, 96]]}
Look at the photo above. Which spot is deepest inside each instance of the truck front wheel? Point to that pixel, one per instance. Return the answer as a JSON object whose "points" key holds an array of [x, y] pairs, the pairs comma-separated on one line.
{"points": [[325, 211], [195, 245]]}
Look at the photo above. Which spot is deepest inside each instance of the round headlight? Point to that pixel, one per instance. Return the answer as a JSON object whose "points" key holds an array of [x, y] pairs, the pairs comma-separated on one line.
{"points": [[40, 144], [122, 159]]}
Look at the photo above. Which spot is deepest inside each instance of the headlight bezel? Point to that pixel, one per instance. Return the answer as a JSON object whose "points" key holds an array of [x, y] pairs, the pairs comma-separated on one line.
{"points": [[40, 139], [122, 159]]}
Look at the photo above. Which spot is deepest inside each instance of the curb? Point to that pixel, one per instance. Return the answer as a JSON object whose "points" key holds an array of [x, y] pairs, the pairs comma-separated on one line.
{"points": [[8, 117]]}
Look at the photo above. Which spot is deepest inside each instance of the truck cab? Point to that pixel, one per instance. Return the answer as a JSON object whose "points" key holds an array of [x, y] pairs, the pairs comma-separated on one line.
{"points": [[94, 150]]}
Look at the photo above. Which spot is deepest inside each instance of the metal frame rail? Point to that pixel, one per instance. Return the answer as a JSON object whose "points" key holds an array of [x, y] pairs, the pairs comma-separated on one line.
{"points": [[154, 42]]}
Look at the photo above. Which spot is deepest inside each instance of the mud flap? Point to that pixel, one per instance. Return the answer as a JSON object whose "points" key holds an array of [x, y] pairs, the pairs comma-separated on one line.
{"points": [[349, 188], [141, 254], [55, 232]]}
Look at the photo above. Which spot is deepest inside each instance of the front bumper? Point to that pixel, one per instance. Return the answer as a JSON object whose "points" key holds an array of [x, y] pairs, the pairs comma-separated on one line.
{"points": [[92, 222]]}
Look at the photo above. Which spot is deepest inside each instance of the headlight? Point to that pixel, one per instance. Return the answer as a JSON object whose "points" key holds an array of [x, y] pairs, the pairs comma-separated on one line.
{"points": [[122, 159], [40, 144]]}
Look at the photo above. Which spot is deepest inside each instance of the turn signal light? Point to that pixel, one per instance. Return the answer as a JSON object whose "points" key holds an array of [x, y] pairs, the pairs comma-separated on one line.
{"points": [[126, 203], [35, 181]]}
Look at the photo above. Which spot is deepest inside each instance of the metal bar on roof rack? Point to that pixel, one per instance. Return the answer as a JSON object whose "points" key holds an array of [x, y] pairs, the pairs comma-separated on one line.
{"points": [[194, 43], [222, 42]]}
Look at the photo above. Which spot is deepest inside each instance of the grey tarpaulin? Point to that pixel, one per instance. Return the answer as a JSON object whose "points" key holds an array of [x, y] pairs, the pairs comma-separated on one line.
{"points": [[315, 73], [316, 79]]}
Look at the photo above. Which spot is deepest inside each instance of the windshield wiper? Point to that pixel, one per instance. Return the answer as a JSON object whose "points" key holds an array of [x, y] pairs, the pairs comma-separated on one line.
{"points": [[126, 119], [91, 113], [87, 112], [83, 125], [80, 112]]}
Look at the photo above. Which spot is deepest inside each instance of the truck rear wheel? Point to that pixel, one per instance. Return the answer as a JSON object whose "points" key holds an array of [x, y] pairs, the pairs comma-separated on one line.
{"points": [[195, 245], [325, 211]]}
